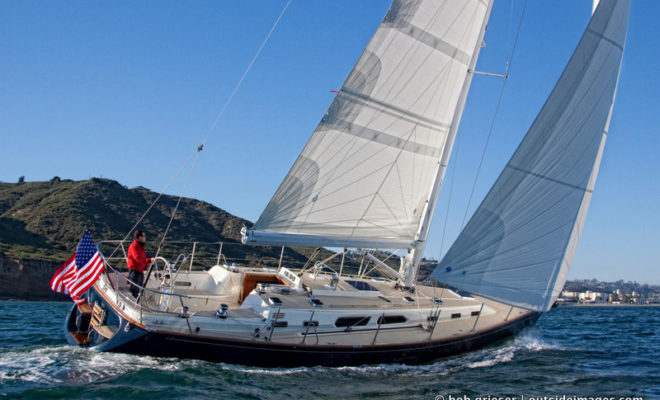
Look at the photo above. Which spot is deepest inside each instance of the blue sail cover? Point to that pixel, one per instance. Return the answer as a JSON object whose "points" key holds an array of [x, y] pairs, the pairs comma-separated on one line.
{"points": [[518, 246]]}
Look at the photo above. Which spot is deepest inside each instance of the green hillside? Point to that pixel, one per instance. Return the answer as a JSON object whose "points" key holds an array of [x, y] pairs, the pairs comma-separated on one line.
{"points": [[45, 221]]}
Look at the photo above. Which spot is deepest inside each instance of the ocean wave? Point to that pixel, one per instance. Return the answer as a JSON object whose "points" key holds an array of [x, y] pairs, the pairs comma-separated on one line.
{"points": [[57, 365], [529, 341], [71, 365], [265, 371]]}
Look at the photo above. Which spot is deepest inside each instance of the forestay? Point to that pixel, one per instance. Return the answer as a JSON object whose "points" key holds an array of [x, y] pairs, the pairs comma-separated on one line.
{"points": [[518, 246], [366, 173]]}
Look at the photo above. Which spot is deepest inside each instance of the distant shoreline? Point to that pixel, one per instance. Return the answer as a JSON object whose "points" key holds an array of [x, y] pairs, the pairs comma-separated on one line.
{"points": [[606, 305]]}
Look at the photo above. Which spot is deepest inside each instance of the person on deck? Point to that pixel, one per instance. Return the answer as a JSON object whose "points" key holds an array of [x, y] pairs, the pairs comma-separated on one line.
{"points": [[137, 261]]}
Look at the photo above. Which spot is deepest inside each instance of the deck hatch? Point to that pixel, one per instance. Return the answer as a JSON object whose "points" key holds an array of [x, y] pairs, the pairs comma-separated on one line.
{"points": [[359, 285]]}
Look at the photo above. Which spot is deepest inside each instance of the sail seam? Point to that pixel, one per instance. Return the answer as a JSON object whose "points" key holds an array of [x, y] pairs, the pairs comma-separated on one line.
{"points": [[432, 41], [605, 38], [416, 117], [387, 139], [549, 178]]}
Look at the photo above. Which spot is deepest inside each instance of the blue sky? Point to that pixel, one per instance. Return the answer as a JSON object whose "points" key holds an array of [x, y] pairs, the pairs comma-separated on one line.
{"points": [[127, 91]]}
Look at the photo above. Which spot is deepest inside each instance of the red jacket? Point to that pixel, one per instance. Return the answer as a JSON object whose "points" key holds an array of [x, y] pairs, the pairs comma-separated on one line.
{"points": [[137, 259]]}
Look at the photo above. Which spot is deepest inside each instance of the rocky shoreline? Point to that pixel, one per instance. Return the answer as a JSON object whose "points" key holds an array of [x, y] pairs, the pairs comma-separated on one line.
{"points": [[27, 279]]}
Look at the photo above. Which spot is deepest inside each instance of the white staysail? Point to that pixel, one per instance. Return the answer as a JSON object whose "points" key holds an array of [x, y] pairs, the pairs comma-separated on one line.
{"points": [[368, 171], [518, 246]]}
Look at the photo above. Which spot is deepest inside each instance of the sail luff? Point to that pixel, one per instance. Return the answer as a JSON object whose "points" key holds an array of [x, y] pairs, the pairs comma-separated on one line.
{"points": [[519, 244]]}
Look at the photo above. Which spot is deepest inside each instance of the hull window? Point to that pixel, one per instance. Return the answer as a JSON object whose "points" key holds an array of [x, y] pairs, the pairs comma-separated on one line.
{"points": [[351, 321], [391, 319]]}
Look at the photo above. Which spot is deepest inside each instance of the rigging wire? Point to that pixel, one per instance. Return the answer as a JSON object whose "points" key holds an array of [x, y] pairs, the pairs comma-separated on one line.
{"points": [[176, 207], [247, 70], [497, 108], [152, 204], [451, 191], [197, 152]]}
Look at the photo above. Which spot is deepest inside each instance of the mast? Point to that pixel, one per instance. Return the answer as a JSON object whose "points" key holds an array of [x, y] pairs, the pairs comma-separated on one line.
{"points": [[410, 263]]}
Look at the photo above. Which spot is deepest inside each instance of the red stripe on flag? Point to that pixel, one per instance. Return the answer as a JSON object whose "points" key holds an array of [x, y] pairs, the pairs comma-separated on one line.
{"points": [[63, 274], [89, 281]]}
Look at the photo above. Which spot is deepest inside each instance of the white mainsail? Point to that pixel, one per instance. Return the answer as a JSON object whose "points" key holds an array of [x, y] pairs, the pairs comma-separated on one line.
{"points": [[366, 175], [518, 246]]}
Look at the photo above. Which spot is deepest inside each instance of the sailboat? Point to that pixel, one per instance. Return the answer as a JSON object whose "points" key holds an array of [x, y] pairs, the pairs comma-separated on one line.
{"points": [[369, 178]]}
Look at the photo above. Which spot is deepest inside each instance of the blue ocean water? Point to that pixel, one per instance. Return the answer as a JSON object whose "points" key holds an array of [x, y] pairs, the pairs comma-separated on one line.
{"points": [[571, 351]]}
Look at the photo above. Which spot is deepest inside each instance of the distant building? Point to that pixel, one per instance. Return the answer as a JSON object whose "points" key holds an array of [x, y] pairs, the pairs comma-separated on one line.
{"points": [[591, 297]]}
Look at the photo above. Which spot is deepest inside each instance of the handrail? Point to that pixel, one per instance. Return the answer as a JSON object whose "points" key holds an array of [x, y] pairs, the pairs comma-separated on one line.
{"points": [[144, 288], [137, 303], [147, 289], [178, 270], [205, 253], [121, 244], [141, 307]]}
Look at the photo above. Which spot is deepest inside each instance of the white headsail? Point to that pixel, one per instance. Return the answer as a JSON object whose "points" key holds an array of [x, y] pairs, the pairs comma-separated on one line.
{"points": [[518, 246], [368, 171]]}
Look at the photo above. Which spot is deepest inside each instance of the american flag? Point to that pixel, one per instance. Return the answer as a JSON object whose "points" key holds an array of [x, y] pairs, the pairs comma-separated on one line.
{"points": [[80, 271]]}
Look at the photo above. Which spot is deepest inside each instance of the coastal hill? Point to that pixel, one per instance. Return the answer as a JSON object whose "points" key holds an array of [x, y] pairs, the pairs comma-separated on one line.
{"points": [[45, 220], [42, 222]]}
